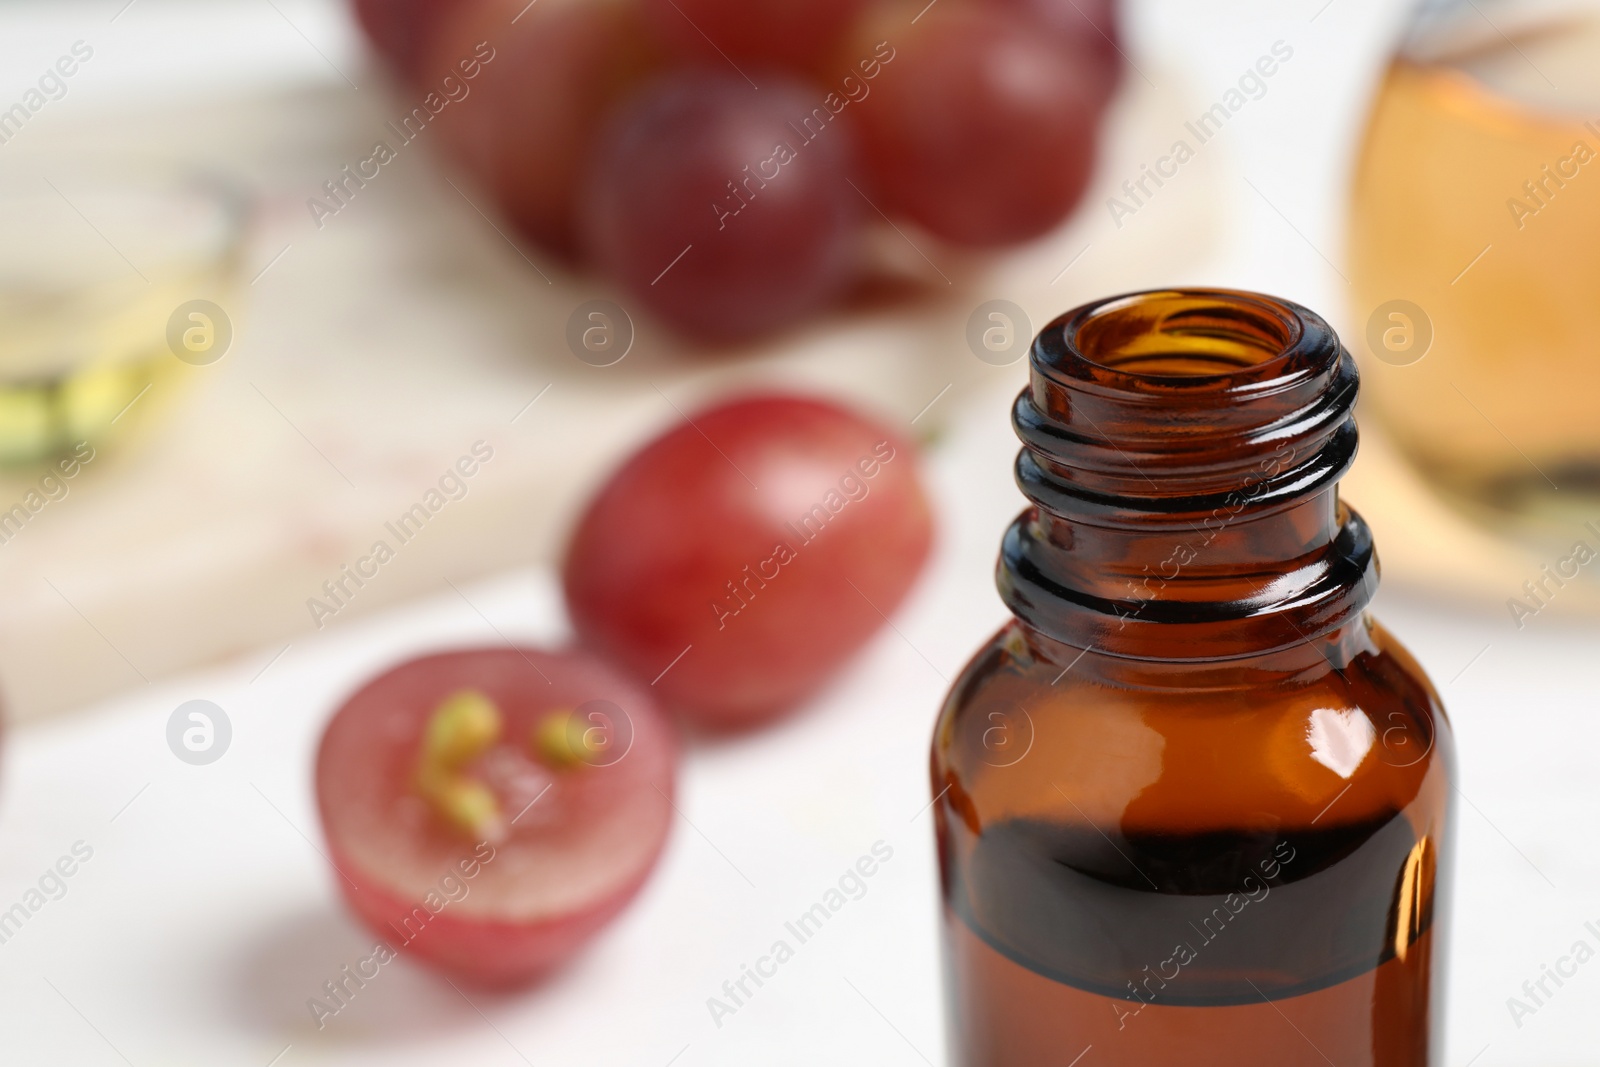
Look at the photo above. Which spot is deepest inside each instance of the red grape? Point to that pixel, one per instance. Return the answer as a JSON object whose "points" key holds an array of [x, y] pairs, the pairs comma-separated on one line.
{"points": [[1088, 28], [578, 806], [738, 560], [402, 29], [981, 129], [528, 123], [789, 33], [709, 204]]}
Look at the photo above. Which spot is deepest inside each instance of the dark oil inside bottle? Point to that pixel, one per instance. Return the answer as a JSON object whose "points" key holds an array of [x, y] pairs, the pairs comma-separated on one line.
{"points": [[1213, 918]]}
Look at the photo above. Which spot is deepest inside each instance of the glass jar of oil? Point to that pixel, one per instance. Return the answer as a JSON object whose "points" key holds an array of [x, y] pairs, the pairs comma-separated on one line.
{"points": [[102, 269], [1475, 252]]}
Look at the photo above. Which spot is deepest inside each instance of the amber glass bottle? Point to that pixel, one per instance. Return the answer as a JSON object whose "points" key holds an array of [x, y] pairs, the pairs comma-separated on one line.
{"points": [[1192, 802]]}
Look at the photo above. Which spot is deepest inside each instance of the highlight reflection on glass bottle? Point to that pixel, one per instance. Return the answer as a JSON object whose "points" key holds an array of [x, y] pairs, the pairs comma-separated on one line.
{"points": [[1192, 802]]}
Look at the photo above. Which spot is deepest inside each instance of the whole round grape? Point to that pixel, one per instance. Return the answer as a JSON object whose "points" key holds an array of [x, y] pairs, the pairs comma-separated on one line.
{"points": [[981, 129], [540, 89], [789, 33], [738, 561], [725, 210]]}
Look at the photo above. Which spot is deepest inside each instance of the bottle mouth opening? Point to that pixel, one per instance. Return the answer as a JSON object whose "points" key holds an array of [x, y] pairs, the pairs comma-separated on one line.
{"points": [[1202, 339], [1209, 387]]}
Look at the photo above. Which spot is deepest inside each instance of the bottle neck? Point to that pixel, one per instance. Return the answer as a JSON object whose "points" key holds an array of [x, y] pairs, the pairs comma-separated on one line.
{"points": [[1304, 662], [1182, 452]]}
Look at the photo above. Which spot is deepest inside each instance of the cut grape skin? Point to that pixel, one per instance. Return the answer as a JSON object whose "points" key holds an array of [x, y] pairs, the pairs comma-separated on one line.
{"points": [[982, 130], [794, 34], [487, 954], [572, 858], [527, 127], [653, 551], [697, 212]]}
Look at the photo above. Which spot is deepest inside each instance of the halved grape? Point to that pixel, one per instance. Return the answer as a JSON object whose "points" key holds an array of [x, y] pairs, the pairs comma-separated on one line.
{"points": [[980, 128], [739, 560], [788, 33], [528, 120], [490, 810], [725, 210]]}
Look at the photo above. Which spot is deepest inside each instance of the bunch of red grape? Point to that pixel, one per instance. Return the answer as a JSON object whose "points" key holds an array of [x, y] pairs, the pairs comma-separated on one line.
{"points": [[720, 158]]}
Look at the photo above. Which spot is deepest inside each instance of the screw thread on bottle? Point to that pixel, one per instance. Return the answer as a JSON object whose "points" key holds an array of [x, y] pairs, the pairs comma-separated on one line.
{"points": [[1182, 451]]}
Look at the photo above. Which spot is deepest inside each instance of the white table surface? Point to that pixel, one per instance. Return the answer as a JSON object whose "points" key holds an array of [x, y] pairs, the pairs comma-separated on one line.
{"points": [[206, 916]]}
